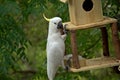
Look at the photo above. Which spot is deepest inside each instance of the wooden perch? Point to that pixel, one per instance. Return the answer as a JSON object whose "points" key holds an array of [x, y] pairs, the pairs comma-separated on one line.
{"points": [[97, 63], [116, 40], [74, 49], [105, 41], [106, 20]]}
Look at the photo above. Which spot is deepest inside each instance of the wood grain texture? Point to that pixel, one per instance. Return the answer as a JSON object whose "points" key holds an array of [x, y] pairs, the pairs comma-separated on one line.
{"points": [[98, 24], [74, 50], [97, 63], [105, 41], [79, 16], [116, 40]]}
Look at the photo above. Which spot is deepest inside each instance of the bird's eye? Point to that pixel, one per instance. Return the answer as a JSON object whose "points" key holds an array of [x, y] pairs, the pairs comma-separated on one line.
{"points": [[55, 23]]}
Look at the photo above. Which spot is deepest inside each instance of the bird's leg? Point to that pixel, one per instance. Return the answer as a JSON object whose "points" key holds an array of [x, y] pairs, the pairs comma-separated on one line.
{"points": [[64, 36], [65, 67], [67, 64], [65, 30]]}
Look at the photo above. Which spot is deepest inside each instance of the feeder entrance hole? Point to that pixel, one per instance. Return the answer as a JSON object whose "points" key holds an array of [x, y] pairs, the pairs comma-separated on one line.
{"points": [[87, 5]]}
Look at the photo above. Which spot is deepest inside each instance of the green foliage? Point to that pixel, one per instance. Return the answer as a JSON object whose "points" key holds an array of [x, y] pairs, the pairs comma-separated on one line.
{"points": [[17, 16], [12, 38], [31, 7], [111, 7], [13, 15]]}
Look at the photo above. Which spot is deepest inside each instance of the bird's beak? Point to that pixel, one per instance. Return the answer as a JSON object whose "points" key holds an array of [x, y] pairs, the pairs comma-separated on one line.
{"points": [[60, 25], [46, 18]]}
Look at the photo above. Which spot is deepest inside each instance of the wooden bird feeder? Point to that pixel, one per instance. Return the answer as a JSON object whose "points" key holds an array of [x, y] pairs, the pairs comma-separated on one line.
{"points": [[85, 11], [85, 14]]}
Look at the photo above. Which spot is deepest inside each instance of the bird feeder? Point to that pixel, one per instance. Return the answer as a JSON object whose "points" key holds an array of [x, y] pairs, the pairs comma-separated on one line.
{"points": [[85, 11], [85, 14]]}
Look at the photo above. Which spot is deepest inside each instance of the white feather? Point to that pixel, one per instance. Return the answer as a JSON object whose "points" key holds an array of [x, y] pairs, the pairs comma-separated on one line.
{"points": [[55, 48]]}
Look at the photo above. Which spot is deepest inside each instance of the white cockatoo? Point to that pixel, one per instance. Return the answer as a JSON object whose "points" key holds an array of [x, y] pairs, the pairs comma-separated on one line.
{"points": [[55, 46]]}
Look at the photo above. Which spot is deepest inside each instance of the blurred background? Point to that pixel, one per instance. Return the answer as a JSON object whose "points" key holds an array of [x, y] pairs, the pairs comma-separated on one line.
{"points": [[23, 37]]}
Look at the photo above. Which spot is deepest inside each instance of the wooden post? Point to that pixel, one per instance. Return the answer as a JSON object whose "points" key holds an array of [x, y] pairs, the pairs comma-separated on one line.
{"points": [[74, 50], [116, 40], [105, 41]]}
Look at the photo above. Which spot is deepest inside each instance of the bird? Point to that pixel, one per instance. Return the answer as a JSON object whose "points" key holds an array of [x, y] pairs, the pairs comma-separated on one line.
{"points": [[55, 47]]}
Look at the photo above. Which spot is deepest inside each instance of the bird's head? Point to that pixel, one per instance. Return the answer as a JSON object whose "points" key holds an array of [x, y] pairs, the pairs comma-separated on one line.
{"points": [[55, 24]]}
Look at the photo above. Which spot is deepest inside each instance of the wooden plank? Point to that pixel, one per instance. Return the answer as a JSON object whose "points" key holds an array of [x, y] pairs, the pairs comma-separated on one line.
{"points": [[73, 11], [106, 20], [97, 63]]}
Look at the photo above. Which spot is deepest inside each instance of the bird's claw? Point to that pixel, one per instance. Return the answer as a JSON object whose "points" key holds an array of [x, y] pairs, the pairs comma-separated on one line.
{"points": [[65, 30]]}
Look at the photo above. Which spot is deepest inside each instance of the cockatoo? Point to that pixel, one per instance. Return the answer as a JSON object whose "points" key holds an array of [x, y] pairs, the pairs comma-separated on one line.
{"points": [[55, 46]]}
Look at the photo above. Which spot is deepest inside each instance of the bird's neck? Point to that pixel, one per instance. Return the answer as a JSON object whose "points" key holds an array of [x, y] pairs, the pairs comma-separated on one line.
{"points": [[52, 32]]}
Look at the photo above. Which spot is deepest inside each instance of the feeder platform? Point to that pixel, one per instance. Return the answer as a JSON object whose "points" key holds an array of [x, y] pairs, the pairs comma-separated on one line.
{"points": [[96, 63], [106, 20]]}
